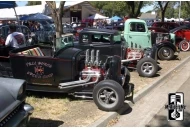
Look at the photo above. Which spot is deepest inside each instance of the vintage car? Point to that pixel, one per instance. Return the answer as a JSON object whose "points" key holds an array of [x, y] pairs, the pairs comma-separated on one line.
{"points": [[110, 42], [157, 29], [67, 28], [182, 38], [45, 32], [115, 25], [13, 109], [70, 70], [136, 33], [77, 27], [167, 25]]}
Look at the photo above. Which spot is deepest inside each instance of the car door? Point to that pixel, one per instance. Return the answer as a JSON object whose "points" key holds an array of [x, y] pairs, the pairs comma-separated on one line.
{"points": [[138, 36], [40, 70]]}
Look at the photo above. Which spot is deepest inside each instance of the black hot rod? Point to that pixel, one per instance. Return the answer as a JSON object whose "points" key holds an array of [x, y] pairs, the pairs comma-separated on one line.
{"points": [[71, 70]]}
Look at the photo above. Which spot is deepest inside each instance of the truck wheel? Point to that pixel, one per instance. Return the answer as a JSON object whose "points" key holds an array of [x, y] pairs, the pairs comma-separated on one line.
{"points": [[147, 67], [165, 53], [184, 45], [108, 95]]}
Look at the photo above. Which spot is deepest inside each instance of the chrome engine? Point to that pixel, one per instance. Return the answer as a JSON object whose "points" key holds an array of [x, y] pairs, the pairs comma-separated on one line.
{"points": [[91, 74]]}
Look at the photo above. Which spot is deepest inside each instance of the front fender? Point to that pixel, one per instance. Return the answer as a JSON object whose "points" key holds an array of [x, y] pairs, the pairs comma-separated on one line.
{"points": [[166, 44], [151, 52]]}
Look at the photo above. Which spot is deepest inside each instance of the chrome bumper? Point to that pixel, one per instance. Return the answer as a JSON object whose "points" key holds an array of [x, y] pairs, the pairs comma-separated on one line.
{"points": [[20, 118]]}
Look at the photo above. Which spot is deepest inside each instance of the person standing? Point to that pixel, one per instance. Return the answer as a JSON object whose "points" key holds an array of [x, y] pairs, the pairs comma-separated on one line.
{"points": [[15, 39]]}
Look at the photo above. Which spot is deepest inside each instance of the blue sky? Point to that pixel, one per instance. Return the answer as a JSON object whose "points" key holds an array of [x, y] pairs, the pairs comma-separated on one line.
{"points": [[23, 3]]}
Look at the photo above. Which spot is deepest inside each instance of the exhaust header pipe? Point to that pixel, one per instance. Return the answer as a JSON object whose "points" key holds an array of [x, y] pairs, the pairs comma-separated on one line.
{"points": [[87, 57], [92, 58], [97, 58]]}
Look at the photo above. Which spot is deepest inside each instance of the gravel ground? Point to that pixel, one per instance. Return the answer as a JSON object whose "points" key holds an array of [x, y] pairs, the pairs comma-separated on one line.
{"points": [[58, 110]]}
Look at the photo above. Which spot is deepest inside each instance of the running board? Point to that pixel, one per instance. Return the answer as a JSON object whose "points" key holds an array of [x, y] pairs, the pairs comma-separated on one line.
{"points": [[83, 95]]}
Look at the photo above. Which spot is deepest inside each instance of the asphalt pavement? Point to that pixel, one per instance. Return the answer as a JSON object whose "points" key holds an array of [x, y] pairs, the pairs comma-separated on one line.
{"points": [[160, 119], [144, 111]]}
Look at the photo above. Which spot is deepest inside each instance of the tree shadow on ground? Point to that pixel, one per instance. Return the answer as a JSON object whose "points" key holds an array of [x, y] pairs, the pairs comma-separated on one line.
{"points": [[36, 122], [162, 121], [50, 95]]}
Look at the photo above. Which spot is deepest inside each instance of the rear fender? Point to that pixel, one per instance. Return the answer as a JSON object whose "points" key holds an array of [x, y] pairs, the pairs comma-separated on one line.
{"points": [[166, 44], [151, 52], [115, 69]]}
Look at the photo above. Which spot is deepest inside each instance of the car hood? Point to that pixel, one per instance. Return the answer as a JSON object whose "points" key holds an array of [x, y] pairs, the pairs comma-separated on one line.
{"points": [[7, 102], [8, 99]]}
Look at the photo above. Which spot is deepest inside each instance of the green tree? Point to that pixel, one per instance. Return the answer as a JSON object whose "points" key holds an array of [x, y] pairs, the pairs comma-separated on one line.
{"points": [[33, 3], [134, 8], [57, 15], [185, 10], [99, 4], [110, 8], [161, 7], [120, 8], [170, 12], [115, 8]]}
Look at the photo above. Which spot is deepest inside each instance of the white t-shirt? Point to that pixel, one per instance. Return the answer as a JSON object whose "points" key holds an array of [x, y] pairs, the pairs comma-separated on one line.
{"points": [[16, 40]]}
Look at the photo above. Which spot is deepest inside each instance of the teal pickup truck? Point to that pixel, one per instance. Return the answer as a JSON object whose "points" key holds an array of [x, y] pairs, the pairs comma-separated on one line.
{"points": [[138, 36]]}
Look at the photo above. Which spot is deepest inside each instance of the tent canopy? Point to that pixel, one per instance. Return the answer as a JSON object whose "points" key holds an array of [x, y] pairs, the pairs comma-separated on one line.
{"points": [[7, 4], [6, 12], [116, 18], [97, 16], [37, 16]]}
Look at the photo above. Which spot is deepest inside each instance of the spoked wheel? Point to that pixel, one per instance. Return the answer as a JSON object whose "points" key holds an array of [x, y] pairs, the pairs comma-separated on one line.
{"points": [[166, 53], [108, 95], [147, 67], [184, 45]]}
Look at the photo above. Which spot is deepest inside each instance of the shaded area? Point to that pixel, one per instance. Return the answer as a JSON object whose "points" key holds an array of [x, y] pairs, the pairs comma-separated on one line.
{"points": [[162, 121], [36, 122], [50, 95]]}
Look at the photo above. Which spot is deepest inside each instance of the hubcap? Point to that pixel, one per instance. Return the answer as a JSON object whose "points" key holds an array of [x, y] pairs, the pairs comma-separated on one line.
{"points": [[166, 52], [147, 67], [107, 96], [184, 46]]}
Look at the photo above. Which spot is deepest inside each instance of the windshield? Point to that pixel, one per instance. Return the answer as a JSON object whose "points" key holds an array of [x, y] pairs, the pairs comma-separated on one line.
{"points": [[178, 28], [117, 38], [64, 42]]}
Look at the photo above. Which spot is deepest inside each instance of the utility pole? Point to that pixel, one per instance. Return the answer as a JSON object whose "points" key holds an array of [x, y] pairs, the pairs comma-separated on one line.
{"points": [[179, 10]]}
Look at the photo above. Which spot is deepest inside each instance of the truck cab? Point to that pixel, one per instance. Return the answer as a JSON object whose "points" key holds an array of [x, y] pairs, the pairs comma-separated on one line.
{"points": [[138, 36]]}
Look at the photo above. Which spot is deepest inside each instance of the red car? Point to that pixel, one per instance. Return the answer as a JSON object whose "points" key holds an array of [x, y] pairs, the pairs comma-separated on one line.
{"points": [[167, 25], [182, 37], [157, 29]]}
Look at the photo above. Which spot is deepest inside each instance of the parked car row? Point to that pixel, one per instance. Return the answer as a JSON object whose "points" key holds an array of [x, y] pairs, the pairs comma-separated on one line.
{"points": [[96, 66]]}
